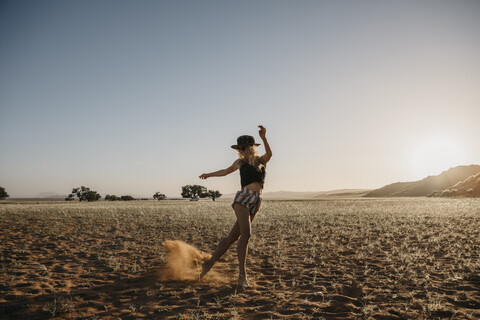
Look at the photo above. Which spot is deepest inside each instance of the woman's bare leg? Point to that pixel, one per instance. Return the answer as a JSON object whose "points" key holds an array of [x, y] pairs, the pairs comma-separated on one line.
{"points": [[244, 224], [221, 249]]}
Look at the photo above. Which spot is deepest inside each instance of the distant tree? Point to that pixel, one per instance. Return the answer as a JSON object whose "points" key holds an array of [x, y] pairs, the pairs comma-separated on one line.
{"points": [[127, 198], [214, 194], [3, 193], [109, 197], [93, 196], [159, 196], [83, 194], [193, 191]]}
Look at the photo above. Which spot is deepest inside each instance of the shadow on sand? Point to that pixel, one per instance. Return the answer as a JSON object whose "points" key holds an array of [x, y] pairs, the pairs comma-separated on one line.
{"points": [[146, 296]]}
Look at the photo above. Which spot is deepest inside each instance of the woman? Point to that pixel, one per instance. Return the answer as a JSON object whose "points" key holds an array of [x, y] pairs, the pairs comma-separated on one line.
{"points": [[247, 201]]}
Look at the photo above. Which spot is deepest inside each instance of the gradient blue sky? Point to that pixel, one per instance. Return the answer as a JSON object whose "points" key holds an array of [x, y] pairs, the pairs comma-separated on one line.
{"points": [[134, 97]]}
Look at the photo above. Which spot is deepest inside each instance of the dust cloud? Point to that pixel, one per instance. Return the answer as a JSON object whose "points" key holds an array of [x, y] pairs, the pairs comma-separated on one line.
{"points": [[184, 262]]}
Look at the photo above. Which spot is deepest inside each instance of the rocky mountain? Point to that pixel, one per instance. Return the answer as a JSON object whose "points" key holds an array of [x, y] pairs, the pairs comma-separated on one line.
{"points": [[428, 185]]}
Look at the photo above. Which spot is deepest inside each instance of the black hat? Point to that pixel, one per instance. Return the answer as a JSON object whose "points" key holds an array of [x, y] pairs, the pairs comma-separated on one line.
{"points": [[245, 141]]}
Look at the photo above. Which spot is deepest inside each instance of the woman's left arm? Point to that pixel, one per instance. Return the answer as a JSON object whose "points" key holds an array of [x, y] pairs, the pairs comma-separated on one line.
{"points": [[268, 152]]}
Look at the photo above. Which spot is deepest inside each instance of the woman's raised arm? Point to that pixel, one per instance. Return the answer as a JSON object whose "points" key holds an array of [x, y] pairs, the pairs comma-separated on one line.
{"points": [[268, 152]]}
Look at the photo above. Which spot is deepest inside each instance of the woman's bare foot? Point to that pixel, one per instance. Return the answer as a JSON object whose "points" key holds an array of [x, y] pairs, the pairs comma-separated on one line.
{"points": [[205, 269], [242, 282]]}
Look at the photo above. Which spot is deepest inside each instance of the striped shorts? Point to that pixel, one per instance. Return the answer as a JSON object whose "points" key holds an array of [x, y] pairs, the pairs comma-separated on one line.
{"points": [[248, 198]]}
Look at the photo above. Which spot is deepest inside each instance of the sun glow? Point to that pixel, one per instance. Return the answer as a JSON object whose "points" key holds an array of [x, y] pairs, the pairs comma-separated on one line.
{"points": [[435, 155]]}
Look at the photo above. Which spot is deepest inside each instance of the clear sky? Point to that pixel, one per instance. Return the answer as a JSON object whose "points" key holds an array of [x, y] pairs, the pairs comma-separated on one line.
{"points": [[134, 97]]}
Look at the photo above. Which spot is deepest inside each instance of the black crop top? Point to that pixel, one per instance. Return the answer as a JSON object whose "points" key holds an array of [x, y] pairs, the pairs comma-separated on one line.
{"points": [[250, 174]]}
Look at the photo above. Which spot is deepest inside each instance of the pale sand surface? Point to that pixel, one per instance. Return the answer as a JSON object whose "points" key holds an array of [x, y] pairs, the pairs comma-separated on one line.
{"points": [[332, 259]]}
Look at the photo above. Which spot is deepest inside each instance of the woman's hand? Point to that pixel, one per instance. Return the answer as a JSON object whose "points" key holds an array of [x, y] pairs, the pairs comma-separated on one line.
{"points": [[204, 176], [262, 132], [268, 152]]}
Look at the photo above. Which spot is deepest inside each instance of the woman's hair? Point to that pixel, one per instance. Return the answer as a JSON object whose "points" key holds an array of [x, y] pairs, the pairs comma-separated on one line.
{"points": [[251, 157]]}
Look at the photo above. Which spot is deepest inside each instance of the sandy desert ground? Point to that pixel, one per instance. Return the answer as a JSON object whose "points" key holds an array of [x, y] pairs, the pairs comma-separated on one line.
{"points": [[412, 258]]}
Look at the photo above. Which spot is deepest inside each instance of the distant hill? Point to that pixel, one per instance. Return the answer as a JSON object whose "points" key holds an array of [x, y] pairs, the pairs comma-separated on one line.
{"points": [[51, 195], [428, 185], [281, 195], [348, 193], [295, 195], [469, 188]]}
